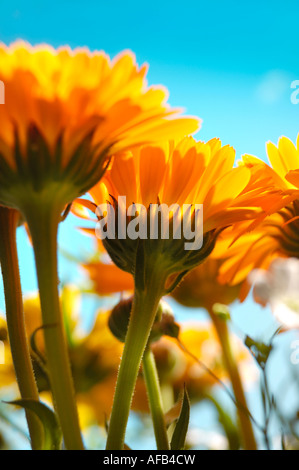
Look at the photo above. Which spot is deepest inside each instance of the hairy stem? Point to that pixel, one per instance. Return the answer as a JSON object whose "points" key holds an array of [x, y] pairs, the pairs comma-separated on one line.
{"points": [[143, 314], [9, 219], [155, 399], [43, 218]]}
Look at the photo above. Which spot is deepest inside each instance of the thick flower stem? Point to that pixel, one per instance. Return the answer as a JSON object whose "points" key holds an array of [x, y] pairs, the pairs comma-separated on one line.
{"points": [[143, 314], [249, 442], [43, 218], [155, 399], [9, 219]]}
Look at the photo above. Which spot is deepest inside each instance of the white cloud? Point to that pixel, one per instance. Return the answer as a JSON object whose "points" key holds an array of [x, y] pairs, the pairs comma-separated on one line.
{"points": [[273, 86]]}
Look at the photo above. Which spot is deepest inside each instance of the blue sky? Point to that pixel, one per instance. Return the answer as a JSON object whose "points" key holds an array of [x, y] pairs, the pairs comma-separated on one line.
{"points": [[230, 63]]}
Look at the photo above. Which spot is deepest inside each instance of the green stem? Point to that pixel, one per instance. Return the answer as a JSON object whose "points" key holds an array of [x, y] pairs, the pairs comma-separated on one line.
{"points": [[232, 368], [9, 219], [143, 314], [155, 399], [43, 218]]}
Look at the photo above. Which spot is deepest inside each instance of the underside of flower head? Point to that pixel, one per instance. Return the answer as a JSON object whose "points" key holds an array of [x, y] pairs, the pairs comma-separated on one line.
{"points": [[276, 236], [251, 245], [178, 181], [67, 112], [201, 288]]}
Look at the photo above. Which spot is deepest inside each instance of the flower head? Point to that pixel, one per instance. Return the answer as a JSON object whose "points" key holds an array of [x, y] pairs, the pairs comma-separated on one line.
{"points": [[200, 339], [247, 245], [201, 288], [67, 111], [275, 237], [158, 180]]}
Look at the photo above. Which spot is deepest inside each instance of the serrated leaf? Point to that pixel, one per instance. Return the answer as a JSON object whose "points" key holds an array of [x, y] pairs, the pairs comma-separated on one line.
{"points": [[181, 428], [52, 432]]}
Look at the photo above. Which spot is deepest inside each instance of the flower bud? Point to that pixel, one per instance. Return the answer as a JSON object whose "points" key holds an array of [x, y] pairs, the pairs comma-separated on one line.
{"points": [[164, 322]]}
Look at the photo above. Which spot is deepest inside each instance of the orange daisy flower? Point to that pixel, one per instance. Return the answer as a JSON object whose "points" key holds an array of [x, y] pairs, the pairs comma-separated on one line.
{"points": [[66, 111], [276, 235], [188, 172]]}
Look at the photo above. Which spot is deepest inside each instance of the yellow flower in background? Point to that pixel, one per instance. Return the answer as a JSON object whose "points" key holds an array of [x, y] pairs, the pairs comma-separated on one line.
{"points": [[94, 355], [108, 278], [95, 359], [176, 367], [201, 288], [7, 374], [67, 110]]}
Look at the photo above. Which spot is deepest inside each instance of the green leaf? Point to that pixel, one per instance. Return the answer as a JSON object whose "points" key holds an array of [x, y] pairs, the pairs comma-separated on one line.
{"points": [[259, 350], [38, 355], [228, 425], [180, 432], [52, 432]]}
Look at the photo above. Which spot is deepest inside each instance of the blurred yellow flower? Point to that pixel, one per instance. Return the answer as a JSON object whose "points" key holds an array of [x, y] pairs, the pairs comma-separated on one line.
{"points": [[107, 278], [201, 288], [7, 374], [95, 360], [176, 367]]}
